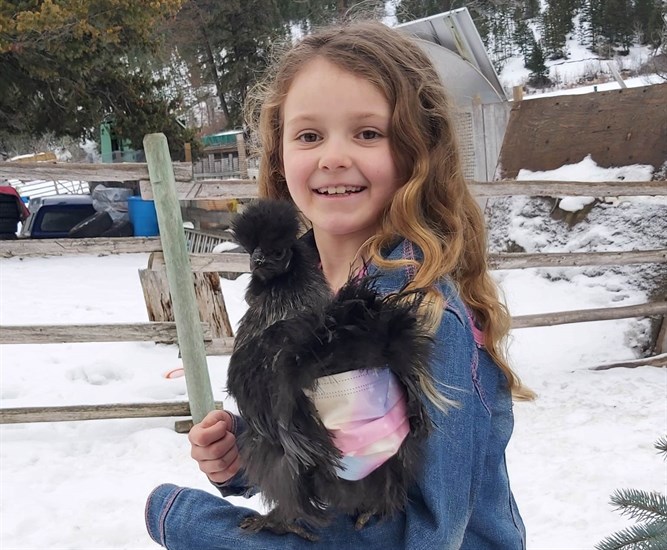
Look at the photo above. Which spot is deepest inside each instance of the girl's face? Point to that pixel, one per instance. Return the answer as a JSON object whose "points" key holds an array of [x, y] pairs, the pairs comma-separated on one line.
{"points": [[336, 152]]}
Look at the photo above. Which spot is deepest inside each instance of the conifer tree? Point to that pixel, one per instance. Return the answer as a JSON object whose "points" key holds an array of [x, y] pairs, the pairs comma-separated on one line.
{"points": [[523, 37], [65, 66], [593, 13], [557, 24], [539, 72], [618, 23], [531, 9], [648, 21], [227, 44], [649, 508]]}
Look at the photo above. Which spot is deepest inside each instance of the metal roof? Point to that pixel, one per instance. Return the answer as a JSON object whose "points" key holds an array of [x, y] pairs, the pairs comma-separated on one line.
{"points": [[456, 31]]}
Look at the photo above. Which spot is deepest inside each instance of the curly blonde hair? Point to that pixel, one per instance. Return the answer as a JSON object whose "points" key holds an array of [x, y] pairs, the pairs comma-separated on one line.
{"points": [[434, 207]]}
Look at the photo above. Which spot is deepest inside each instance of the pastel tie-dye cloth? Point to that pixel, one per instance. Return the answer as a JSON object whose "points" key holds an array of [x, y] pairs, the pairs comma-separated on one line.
{"points": [[366, 413]]}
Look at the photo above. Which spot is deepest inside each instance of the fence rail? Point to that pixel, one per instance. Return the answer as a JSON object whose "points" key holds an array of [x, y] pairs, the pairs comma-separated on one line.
{"points": [[94, 412], [166, 332], [247, 189], [117, 332]]}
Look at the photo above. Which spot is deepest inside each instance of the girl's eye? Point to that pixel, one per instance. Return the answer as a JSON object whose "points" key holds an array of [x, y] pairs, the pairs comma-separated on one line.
{"points": [[369, 134], [308, 137]]}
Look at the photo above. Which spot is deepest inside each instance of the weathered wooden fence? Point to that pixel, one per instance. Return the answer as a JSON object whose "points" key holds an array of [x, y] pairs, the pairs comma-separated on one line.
{"points": [[168, 184]]}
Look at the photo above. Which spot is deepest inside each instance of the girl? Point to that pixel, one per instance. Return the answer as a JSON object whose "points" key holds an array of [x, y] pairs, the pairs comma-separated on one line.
{"points": [[355, 129]]}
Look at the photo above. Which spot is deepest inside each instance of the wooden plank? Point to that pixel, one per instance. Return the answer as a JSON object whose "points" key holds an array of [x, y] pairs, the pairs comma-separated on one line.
{"points": [[180, 276], [585, 315], [25, 248], [245, 189], [239, 262], [20, 415], [569, 188], [141, 332], [119, 332], [223, 262], [232, 262], [572, 259], [655, 361], [71, 171], [616, 127], [209, 189], [210, 302], [220, 346]]}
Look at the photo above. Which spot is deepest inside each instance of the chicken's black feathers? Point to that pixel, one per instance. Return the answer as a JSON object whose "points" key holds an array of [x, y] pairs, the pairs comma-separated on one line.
{"points": [[268, 224], [293, 333]]}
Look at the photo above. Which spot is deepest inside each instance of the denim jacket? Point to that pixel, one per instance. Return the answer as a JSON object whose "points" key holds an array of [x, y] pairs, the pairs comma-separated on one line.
{"points": [[462, 498]]}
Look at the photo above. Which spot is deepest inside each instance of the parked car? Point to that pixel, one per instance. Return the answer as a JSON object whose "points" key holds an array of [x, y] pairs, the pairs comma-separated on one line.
{"points": [[71, 216], [54, 217]]}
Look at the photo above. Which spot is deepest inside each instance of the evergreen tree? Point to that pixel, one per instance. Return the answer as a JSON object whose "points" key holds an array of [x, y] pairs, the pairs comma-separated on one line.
{"points": [[594, 17], [523, 37], [409, 10], [227, 44], [617, 23], [648, 21], [66, 66], [657, 28], [539, 72], [554, 33], [649, 508], [531, 9], [480, 11], [557, 24]]}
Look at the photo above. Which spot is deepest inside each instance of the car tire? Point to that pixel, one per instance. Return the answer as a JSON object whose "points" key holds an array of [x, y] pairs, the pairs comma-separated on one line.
{"points": [[92, 226], [120, 228]]}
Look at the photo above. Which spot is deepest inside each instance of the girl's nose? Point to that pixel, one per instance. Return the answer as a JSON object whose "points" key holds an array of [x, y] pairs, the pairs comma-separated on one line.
{"points": [[334, 156]]}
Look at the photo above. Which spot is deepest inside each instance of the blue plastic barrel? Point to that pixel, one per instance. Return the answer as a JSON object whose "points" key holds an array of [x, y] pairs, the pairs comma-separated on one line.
{"points": [[143, 217]]}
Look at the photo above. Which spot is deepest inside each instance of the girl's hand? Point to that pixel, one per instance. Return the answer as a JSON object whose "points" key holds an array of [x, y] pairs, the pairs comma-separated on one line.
{"points": [[214, 448]]}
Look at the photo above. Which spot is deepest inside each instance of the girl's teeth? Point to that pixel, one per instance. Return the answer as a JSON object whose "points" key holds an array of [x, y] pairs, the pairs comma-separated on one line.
{"points": [[339, 190]]}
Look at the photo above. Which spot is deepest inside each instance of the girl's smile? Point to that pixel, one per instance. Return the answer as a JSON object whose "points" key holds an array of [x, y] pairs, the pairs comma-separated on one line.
{"points": [[336, 151]]}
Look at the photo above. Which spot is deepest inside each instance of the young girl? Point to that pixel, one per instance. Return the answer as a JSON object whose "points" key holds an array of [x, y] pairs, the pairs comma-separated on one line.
{"points": [[355, 129]]}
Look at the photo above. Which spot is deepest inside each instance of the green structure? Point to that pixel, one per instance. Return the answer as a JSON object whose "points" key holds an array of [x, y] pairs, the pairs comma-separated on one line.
{"points": [[221, 139], [114, 149]]}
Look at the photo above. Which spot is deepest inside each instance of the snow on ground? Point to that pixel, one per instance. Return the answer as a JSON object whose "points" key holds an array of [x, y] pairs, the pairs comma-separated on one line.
{"points": [[83, 484], [581, 65]]}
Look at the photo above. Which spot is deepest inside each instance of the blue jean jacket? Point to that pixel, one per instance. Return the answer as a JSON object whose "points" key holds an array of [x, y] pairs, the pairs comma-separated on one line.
{"points": [[462, 498]]}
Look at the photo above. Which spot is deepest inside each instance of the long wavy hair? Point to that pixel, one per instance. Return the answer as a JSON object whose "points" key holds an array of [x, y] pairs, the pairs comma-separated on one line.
{"points": [[434, 207]]}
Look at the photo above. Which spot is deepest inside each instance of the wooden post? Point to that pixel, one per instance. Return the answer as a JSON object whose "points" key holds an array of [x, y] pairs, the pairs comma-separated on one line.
{"points": [[517, 93], [188, 152], [179, 275], [243, 160]]}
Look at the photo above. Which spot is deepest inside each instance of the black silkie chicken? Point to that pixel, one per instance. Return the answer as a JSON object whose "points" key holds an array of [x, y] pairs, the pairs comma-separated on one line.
{"points": [[286, 451], [285, 275]]}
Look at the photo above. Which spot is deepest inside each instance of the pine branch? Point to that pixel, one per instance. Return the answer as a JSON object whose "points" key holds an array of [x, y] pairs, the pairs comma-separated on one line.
{"points": [[641, 505], [638, 537], [661, 445]]}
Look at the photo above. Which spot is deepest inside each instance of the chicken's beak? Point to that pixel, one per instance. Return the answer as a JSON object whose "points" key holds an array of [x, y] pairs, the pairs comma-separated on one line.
{"points": [[257, 258]]}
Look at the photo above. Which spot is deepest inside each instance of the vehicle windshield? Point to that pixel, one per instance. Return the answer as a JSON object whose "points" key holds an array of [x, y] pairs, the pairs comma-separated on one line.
{"points": [[63, 220]]}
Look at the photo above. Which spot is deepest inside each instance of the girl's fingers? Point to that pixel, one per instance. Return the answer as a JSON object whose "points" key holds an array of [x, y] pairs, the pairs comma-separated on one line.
{"points": [[216, 450], [221, 470], [212, 428]]}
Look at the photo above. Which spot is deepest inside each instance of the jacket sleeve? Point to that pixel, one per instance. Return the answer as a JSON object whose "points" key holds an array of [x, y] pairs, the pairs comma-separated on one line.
{"points": [[454, 452], [465, 500], [237, 485]]}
